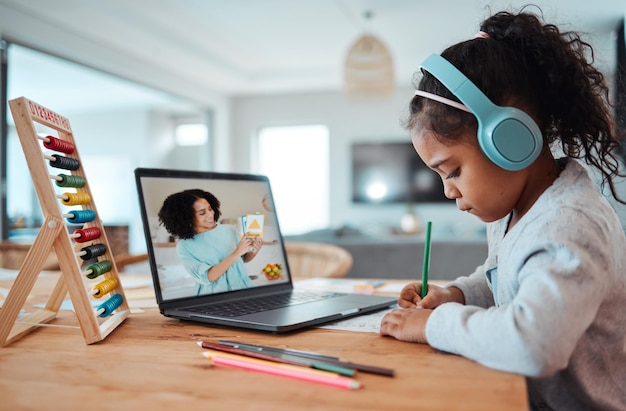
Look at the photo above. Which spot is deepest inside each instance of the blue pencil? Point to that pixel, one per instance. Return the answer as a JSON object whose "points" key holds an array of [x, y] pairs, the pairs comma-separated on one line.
{"points": [[426, 260]]}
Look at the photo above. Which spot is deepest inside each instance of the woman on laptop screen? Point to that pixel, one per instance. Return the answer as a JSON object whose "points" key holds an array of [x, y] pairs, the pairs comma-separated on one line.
{"points": [[211, 252]]}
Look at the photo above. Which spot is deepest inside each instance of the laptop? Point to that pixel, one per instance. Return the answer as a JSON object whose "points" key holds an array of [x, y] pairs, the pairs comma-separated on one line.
{"points": [[258, 294]]}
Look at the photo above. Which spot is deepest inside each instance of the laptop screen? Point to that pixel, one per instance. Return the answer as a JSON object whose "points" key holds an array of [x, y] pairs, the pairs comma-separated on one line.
{"points": [[209, 233]]}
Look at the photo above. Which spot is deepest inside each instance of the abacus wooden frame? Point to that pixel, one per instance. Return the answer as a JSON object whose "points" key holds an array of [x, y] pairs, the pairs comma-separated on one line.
{"points": [[54, 234]]}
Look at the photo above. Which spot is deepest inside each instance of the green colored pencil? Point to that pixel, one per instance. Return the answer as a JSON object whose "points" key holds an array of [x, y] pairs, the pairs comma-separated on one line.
{"points": [[426, 260]]}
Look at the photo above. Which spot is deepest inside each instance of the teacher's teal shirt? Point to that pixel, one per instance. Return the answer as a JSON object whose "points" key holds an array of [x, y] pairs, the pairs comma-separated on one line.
{"points": [[204, 250]]}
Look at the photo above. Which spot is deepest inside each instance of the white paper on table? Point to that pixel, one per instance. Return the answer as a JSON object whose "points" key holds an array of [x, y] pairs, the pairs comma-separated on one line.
{"points": [[361, 323]]}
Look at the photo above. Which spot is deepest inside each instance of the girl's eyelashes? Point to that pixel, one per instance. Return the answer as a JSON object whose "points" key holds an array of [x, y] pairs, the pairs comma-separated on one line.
{"points": [[453, 174]]}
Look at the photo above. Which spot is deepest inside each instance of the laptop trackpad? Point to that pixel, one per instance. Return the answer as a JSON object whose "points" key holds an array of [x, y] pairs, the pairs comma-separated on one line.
{"points": [[327, 310]]}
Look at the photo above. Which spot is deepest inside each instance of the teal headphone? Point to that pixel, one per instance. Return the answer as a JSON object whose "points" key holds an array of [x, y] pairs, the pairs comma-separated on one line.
{"points": [[509, 137]]}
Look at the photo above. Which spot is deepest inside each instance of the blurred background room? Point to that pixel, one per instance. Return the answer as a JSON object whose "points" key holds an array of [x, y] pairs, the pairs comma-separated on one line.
{"points": [[311, 93]]}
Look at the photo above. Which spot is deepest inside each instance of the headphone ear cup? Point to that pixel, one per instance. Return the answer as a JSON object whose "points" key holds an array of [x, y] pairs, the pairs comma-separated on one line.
{"points": [[510, 138]]}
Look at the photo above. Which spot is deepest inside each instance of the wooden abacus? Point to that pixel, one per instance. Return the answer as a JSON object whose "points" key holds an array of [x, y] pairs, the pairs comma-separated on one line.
{"points": [[73, 250]]}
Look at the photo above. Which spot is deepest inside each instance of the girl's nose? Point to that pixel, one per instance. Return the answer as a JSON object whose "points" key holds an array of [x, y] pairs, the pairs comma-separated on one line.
{"points": [[450, 190]]}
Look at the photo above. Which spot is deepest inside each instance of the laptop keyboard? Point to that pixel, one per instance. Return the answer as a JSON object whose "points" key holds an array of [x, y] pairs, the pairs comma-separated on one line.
{"points": [[265, 303]]}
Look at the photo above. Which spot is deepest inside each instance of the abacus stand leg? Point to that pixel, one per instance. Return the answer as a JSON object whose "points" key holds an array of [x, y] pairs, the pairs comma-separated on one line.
{"points": [[23, 285]]}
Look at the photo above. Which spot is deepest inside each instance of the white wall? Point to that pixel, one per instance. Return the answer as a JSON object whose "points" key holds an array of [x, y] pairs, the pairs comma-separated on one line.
{"points": [[348, 121]]}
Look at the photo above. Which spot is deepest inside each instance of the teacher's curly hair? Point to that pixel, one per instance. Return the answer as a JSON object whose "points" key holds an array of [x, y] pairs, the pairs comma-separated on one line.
{"points": [[177, 213]]}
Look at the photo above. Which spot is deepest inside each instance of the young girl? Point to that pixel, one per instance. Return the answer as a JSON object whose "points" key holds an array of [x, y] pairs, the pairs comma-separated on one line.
{"points": [[212, 253], [549, 302]]}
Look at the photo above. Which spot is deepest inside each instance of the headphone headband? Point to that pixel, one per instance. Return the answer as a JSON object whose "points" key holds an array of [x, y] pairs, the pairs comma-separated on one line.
{"points": [[443, 100], [458, 84]]}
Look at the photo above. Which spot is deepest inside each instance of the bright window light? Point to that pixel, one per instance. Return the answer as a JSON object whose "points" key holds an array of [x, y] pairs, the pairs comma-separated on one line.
{"points": [[191, 134], [296, 160]]}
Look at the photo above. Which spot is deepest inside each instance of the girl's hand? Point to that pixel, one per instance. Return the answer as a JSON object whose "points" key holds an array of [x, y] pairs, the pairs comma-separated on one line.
{"points": [[410, 296], [406, 325]]}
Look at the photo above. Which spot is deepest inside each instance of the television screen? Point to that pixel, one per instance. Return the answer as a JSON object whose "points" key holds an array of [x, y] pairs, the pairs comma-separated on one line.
{"points": [[392, 172]]}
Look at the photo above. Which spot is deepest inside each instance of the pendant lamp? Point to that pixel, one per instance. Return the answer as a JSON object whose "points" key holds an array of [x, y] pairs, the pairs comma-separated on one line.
{"points": [[368, 69]]}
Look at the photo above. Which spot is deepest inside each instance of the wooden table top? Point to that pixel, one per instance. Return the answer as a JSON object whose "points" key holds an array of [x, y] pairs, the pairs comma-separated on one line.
{"points": [[151, 363]]}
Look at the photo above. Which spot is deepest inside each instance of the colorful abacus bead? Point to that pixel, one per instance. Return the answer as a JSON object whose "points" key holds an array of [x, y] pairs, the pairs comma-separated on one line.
{"points": [[86, 234], [97, 269], [80, 216], [104, 287], [68, 180], [70, 199], [56, 144], [106, 308], [92, 251], [65, 163]]}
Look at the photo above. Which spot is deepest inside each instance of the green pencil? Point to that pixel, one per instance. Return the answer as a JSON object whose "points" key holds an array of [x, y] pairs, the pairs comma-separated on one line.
{"points": [[426, 260]]}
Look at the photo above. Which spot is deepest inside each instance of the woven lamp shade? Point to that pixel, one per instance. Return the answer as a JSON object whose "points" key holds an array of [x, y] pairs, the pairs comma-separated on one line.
{"points": [[368, 69]]}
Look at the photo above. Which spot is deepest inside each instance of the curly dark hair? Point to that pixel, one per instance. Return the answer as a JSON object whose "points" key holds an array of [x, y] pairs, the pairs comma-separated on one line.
{"points": [[177, 213], [550, 73]]}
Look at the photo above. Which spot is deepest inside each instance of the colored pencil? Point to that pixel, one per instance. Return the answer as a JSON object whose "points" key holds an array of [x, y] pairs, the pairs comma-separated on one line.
{"points": [[284, 370], [299, 353], [318, 357], [426, 265], [280, 358], [248, 353]]}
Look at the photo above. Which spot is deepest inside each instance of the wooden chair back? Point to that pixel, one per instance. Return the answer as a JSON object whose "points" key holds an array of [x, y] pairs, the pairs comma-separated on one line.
{"points": [[308, 259]]}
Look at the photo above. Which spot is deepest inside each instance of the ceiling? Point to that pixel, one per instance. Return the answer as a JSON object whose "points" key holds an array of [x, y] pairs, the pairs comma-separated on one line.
{"points": [[204, 48]]}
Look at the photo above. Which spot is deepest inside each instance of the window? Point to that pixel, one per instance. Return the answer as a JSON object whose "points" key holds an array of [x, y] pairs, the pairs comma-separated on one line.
{"points": [[195, 134], [112, 119], [296, 160]]}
